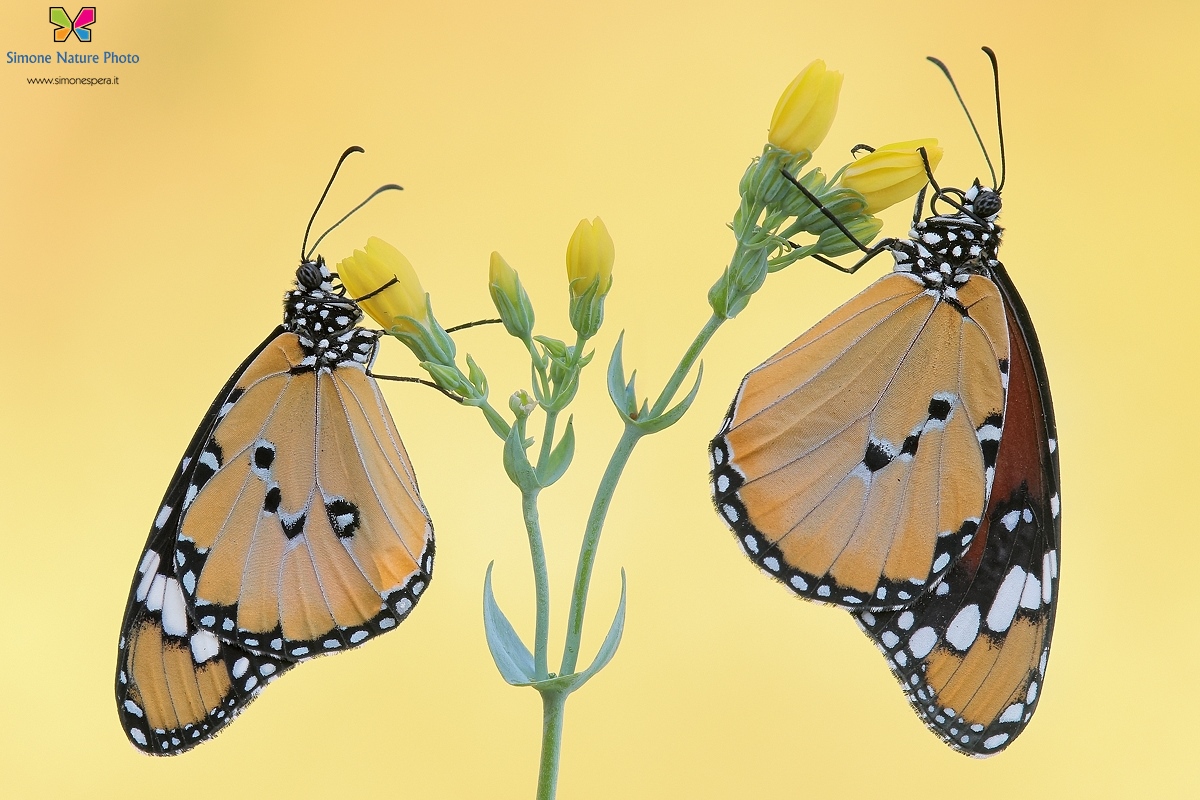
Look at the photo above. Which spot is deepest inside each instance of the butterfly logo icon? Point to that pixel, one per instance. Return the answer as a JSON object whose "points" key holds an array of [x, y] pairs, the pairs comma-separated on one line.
{"points": [[64, 26]]}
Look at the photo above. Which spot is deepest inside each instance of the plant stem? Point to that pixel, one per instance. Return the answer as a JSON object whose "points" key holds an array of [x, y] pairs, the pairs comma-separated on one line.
{"points": [[591, 539], [541, 583], [547, 438], [553, 707], [685, 364]]}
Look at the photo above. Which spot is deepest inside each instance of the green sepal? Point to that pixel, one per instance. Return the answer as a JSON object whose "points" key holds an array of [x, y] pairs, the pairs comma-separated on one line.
{"points": [[673, 415], [560, 457], [518, 316], [510, 655], [476, 377], [430, 342], [450, 379], [586, 310]]}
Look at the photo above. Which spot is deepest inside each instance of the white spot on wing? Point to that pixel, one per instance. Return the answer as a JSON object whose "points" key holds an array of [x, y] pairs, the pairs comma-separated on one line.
{"points": [[1000, 616], [204, 646], [922, 641], [964, 627], [174, 611], [162, 517], [1031, 597], [154, 597], [150, 570]]}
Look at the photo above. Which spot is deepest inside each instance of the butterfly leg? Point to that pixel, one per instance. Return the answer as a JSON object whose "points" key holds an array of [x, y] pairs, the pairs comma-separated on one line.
{"points": [[456, 398]]}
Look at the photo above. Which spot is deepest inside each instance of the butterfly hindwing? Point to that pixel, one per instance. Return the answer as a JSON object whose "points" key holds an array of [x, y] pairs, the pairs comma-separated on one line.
{"points": [[971, 655], [854, 464]]}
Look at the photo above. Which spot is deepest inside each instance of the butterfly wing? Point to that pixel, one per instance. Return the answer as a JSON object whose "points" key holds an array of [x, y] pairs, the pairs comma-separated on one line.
{"points": [[302, 531], [178, 685], [854, 465], [971, 655]]}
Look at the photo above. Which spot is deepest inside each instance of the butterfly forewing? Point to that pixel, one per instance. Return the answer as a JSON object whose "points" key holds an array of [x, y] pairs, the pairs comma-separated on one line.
{"points": [[309, 535], [854, 465], [177, 685], [972, 654]]}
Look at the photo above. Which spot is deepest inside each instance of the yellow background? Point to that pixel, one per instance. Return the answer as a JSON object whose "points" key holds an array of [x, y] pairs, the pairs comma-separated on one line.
{"points": [[148, 230]]}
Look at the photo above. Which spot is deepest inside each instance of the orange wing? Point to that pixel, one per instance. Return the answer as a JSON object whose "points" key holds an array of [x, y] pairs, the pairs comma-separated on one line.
{"points": [[302, 531], [855, 464], [971, 655]]}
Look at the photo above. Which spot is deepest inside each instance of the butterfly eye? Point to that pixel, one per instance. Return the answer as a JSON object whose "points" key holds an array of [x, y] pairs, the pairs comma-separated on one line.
{"points": [[309, 275], [987, 203]]}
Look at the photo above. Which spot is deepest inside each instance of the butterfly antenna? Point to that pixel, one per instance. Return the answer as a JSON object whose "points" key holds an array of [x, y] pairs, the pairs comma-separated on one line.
{"points": [[999, 122], [312, 219], [387, 187], [945, 71]]}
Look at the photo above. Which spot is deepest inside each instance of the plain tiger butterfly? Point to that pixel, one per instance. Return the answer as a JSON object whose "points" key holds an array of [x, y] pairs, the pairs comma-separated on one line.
{"points": [[899, 460], [292, 528]]}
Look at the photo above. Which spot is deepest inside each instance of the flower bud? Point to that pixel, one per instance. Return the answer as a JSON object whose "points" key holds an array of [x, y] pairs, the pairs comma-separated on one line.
{"points": [[590, 256], [892, 173], [806, 109], [366, 271], [510, 299], [521, 404]]}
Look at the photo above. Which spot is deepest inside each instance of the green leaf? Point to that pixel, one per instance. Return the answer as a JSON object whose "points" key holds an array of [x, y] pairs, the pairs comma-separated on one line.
{"points": [[560, 457], [516, 463], [511, 656], [669, 418], [617, 388], [608, 648]]}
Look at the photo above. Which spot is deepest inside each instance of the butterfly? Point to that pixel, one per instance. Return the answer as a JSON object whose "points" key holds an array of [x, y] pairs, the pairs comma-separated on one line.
{"points": [[899, 460], [64, 26], [293, 527]]}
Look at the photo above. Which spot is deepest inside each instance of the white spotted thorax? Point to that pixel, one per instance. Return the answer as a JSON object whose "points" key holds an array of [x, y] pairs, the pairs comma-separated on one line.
{"points": [[326, 322], [944, 251]]}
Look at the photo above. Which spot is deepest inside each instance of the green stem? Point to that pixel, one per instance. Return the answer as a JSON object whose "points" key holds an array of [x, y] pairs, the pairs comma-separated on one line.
{"points": [[497, 422], [591, 540], [541, 582], [685, 364], [553, 707], [547, 438], [604, 495]]}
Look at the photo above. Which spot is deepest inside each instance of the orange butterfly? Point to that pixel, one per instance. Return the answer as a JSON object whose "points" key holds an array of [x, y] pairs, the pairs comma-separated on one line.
{"points": [[900, 460], [292, 528]]}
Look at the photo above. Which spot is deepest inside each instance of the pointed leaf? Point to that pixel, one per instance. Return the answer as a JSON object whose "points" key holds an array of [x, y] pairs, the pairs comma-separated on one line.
{"points": [[608, 648], [670, 417], [560, 457], [510, 654], [616, 378], [516, 463]]}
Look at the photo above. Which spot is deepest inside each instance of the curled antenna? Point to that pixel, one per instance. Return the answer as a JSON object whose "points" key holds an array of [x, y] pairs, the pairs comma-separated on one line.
{"points": [[387, 187], [308, 230], [999, 123], [945, 71]]}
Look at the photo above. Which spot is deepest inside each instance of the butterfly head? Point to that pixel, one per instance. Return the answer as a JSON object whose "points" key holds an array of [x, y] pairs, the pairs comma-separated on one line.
{"points": [[324, 320]]}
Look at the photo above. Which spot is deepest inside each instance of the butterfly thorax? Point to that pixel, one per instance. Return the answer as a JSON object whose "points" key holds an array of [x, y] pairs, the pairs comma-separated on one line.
{"points": [[325, 322], [945, 250]]}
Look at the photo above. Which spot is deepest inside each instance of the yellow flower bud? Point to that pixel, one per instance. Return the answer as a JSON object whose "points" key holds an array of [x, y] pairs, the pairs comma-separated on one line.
{"points": [[365, 272], [590, 256], [502, 276], [892, 173], [806, 109]]}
